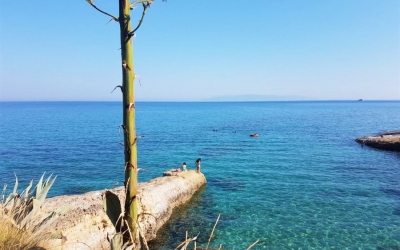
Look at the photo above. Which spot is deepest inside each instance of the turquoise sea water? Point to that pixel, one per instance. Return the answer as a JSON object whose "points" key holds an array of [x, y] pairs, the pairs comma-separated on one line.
{"points": [[302, 184]]}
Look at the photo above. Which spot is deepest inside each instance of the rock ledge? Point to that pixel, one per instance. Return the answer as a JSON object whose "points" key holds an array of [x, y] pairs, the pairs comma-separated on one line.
{"points": [[386, 141], [86, 226]]}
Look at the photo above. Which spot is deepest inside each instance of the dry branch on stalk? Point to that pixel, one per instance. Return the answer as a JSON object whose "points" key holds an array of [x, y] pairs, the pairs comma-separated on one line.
{"points": [[105, 13], [119, 86]]}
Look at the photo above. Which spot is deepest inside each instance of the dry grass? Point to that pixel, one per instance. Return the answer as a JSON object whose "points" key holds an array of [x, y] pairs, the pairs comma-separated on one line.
{"points": [[18, 210], [14, 238], [184, 245], [212, 232]]}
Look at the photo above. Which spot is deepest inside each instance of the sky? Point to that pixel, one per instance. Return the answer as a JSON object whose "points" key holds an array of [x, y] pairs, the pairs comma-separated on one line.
{"points": [[201, 49]]}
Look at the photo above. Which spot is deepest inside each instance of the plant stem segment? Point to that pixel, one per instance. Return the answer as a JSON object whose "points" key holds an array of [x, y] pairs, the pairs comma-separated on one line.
{"points": [[128, 78]]}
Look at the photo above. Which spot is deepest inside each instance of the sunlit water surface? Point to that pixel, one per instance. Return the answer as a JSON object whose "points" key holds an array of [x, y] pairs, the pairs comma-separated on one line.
{"points": [[303, 183]]}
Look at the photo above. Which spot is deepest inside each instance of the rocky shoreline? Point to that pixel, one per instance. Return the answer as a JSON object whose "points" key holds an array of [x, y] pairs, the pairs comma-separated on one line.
{"points": [[385, 141], [86, 225]]}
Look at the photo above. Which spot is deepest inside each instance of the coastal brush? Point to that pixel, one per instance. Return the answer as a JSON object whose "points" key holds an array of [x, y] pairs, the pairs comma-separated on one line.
{"points": [[18, 212]]}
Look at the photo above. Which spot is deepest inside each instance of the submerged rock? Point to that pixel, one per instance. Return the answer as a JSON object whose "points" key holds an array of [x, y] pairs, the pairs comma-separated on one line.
{"points": [[86, 225], [386, 141]]}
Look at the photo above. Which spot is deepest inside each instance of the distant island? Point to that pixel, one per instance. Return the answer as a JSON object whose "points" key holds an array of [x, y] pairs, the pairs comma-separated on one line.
{"points": [[257, 98]]}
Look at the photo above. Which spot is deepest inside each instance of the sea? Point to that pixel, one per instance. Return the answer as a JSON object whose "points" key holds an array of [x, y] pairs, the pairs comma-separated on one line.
{"points": [[303, 183]]}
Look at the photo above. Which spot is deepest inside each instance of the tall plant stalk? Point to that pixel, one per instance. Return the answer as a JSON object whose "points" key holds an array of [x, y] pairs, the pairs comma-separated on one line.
{"points": [[128, 110]]}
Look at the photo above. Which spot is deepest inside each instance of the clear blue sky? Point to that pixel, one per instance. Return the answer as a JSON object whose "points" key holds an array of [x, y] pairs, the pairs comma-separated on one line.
{"points": [[194, 50]]}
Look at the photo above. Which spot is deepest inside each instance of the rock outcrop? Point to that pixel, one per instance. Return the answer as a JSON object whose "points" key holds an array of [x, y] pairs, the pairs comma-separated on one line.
{"points": [[386, 141], [86, 225]]}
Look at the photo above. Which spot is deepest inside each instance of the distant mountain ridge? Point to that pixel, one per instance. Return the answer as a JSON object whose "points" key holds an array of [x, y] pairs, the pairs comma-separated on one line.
{"points": [[256, 98]]}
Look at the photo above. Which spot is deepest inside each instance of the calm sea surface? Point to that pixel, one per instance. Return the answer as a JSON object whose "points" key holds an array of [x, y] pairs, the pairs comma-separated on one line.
{"points": [[302, 184]]}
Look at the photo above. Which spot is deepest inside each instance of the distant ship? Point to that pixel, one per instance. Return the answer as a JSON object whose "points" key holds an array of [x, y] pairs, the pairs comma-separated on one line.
{"points": [[359, 100]]}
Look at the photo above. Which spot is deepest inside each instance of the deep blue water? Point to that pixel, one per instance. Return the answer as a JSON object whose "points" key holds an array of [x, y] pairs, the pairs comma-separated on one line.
{"points": [[303, 183]]}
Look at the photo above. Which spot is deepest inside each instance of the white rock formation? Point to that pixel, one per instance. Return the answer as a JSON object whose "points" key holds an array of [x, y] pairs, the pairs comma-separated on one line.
{"points": [[86, 226]]}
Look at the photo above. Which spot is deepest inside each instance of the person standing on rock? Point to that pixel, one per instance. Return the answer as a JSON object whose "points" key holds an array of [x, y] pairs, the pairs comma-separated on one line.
{"points": [[198, 166]]}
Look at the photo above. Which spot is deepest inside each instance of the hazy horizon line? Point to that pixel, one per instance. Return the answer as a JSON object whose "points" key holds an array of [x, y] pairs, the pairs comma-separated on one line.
{"points": [[177, 101]]}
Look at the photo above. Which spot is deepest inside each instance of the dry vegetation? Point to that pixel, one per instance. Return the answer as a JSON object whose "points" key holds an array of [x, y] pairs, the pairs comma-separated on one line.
{"points": [[22, 229], [14, 238], [184, 245], [18, 210]]}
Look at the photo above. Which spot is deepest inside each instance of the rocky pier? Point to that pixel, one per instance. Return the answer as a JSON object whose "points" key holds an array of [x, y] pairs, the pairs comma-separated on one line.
{"points": [[87, 226]]}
